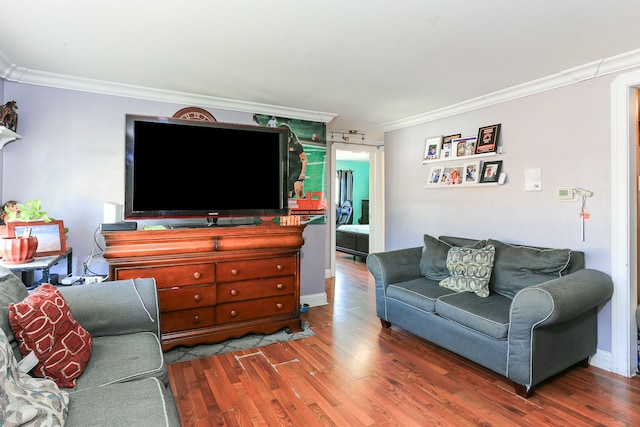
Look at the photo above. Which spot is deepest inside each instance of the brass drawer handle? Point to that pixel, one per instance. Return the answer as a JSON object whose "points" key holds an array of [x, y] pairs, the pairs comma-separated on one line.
{"points": [[233, 292], [196, 298], [279, 306], [233, 313], [234, 272], [280, 286], [196, 275], [280, 267], [196, 319]]}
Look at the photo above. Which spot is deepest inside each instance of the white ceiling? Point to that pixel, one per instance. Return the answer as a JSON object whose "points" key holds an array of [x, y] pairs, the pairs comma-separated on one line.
{"points": [[373, 63]]}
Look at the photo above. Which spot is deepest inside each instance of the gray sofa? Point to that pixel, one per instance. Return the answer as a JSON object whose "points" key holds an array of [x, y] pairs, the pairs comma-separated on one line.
{"points": [[125, 381], [539, 318]]}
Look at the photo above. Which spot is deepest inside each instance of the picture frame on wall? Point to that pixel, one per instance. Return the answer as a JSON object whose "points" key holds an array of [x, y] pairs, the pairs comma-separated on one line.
{"points": [[488, 139], [491, 171], [462, 147], [445, 151], [471, 172], [434, 175], [51, 239], [432, 147]]}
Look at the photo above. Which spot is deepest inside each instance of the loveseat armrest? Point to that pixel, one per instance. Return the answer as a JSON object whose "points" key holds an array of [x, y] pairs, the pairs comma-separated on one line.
{"points": [[395, 266], [392, 267], [115, 308], [553, 325]]}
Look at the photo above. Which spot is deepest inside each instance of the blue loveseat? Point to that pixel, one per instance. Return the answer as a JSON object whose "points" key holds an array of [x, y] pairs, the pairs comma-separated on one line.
{"points": [[534, 316]]}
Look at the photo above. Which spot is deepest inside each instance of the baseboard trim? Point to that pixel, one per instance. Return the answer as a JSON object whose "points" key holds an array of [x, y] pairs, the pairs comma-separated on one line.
{"points": [[314, 300], [602, 360]]}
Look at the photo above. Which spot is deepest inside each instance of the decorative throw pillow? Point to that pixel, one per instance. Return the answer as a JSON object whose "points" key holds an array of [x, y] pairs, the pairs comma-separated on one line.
{"points": [[24, 400], [469, 269], [42, 323], [517, 267], [433, 262]]}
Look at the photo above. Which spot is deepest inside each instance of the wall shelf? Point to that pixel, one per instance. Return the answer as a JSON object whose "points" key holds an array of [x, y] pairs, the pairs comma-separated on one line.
{"points": [[463, 158], [7, 135]]}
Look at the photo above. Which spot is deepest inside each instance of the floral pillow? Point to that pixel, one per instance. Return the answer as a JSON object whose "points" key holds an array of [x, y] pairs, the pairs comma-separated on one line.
{"points": [[42, 323], [469, 269], [25, 400]]}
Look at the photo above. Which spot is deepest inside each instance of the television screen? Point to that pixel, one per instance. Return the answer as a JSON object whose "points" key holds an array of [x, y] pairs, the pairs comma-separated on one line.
{"points": [[178, 168]]}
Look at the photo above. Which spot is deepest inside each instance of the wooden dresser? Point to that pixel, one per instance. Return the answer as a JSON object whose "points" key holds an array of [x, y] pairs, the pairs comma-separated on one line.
{"points": [[215, 283]]}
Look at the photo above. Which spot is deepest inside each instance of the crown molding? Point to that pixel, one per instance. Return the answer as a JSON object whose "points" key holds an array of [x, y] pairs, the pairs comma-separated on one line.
{"points": [[11, 72], [567, 77]]}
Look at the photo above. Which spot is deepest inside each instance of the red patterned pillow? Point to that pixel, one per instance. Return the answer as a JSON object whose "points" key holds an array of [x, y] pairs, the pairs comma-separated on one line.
{"points": [[42, 322]]}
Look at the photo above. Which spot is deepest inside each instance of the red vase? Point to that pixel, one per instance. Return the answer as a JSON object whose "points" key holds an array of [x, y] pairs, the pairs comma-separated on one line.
{"points": [[18, 250]]}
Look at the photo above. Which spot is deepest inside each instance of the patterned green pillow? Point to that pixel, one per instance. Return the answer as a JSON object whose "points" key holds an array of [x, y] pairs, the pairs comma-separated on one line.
{"points": [[469, 269]]}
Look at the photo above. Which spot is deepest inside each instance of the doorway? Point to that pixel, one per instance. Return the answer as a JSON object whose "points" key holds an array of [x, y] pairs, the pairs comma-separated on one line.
{"points": [[624, 224], [374, 155]]}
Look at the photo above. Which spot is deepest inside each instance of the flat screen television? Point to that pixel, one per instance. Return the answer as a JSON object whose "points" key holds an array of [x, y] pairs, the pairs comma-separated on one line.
{"points": [[177, 168]]}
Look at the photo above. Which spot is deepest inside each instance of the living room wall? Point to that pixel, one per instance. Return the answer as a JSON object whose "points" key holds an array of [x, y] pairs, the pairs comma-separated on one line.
{"points": [[565, 131], [71, 156]]}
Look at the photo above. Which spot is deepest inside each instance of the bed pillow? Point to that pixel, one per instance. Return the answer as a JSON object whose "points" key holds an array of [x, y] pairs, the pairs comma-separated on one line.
{"points": [[469, 269], [42, 323], [517, 267]]}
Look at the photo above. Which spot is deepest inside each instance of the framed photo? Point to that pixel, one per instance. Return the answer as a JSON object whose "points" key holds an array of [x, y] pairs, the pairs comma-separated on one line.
{"points": [[462, 147], [444, 177], [455, 175], [446, 150], [434, 175], [51, 240], [488, 139], [491, 171], [471, 172], [432, 147]]}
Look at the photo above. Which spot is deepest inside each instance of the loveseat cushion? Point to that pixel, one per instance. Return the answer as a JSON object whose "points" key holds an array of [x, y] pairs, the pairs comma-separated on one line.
{"points": [[489, 316], [469, 269], [433, 262], [517, 267], [146, 402], [420, 293], [122, 358]]}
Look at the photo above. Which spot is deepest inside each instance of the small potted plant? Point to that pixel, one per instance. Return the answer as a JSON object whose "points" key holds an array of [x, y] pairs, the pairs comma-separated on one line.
{"points": [[30, 211]]}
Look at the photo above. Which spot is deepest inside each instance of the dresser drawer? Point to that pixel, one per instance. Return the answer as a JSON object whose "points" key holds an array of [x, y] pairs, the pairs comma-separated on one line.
{"points": [[254, 309], [227, 271], [257, 288], [188, 319], [170, 276], [180, 298]]}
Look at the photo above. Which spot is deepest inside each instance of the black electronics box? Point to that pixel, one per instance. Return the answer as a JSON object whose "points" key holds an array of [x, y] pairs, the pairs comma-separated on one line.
{"points": [[119, 226]]}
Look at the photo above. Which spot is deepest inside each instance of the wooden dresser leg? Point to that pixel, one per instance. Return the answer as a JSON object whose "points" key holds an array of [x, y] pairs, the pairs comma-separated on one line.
{"points": [[385, 324], [523, 391]]}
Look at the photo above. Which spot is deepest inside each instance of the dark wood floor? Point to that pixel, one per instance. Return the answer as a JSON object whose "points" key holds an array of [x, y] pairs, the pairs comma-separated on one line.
{"points": [[355, 373]]}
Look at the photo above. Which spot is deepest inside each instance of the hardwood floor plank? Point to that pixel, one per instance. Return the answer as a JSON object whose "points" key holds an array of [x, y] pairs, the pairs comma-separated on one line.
{"points": [[353, 372]]}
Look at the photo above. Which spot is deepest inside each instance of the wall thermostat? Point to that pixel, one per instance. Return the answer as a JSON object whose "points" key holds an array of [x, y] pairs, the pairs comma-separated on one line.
{"points": [[566, 194]]}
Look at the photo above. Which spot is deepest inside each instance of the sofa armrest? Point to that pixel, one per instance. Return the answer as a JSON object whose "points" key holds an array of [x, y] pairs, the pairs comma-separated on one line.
{"points": [[564, 310], [115, 308], [392, 267], [395, 266]]}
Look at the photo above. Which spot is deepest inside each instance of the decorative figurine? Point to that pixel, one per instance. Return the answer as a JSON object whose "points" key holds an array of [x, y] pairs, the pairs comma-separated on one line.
{"points": [[8, 115]]}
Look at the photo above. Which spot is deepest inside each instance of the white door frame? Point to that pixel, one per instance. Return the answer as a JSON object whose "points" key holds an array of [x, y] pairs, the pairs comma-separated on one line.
{"points": [[624, 228], [376, 199]]}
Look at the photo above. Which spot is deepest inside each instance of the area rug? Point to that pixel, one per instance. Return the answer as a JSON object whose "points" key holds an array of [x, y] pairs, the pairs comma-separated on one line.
{"points": [[181, 354]]}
